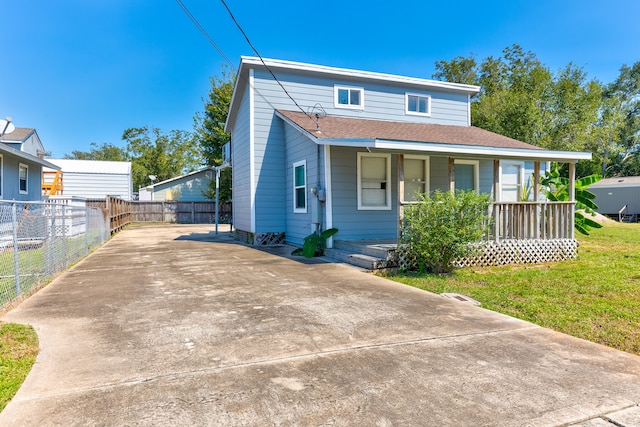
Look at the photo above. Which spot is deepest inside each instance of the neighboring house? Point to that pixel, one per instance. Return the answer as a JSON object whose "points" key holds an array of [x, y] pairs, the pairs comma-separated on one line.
{"points": [[191, 187], [618, 197], [356, 146], [95, 179], [21, 165]]}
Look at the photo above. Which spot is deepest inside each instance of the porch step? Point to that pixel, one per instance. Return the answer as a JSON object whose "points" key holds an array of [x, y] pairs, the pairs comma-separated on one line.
{"points": [[373, 249], [368, 254], [367, 262]]}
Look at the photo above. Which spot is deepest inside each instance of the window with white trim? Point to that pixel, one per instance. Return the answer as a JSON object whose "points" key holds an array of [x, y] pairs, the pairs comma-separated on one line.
{"points": [[374, 186], [23, 178], [416, 104], [416, 177], [467, 174], [300, 187], [349, 97]]}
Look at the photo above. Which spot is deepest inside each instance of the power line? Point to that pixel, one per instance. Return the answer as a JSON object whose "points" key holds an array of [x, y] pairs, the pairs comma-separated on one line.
{"points": [[262, 60], [204, 33]]}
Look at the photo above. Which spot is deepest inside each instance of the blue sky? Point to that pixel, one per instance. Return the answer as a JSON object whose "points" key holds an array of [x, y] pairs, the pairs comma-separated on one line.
{"points": [[83, 71]]}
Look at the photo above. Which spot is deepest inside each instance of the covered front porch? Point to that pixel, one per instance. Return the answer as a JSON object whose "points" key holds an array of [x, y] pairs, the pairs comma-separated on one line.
{"points": [[521, 232]]}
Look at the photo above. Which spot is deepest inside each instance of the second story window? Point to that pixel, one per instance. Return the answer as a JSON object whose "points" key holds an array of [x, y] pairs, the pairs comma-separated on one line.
{"points": [[418, 104], [349, 97]]}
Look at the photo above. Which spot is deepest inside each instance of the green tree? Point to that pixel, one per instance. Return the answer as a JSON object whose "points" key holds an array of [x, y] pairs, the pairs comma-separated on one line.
{"points": [[623, 125], [105, 151], [152, 152], [521, 98], [210, 133]]}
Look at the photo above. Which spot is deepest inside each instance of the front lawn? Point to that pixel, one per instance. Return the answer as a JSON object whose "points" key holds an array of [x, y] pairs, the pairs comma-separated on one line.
{"points": [[596, 297]]}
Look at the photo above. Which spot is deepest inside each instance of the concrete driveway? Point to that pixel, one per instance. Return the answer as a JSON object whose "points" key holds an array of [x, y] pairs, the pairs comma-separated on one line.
{"points": [[174, 326]]}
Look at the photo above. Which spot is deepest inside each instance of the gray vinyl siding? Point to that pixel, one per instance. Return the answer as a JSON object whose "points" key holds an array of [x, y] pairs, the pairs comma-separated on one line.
{"points": [[188, 189], [611, 198], [299, 148], [386, 102], [354, 224], [241, 168], [11, 181], [486, 176], [269, 172], [439, 173]]}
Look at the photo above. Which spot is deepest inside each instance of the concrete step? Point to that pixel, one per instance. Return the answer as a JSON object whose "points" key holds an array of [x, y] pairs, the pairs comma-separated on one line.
{"points": [[377, 250], [367, 262]]}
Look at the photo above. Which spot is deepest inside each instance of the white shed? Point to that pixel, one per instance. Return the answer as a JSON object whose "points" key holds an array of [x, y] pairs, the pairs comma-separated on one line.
{"points": [[95, 179]]}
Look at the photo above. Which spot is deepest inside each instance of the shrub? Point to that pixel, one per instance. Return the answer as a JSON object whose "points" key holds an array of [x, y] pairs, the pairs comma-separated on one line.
{"points": [[442, 227]]}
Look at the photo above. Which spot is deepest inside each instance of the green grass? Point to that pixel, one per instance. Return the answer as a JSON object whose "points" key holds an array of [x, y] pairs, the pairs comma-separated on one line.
{"points": [[18, 351], [596, 297]]}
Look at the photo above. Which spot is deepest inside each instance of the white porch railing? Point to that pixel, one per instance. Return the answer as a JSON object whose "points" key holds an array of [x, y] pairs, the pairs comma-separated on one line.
{"points": [[531, 220]]}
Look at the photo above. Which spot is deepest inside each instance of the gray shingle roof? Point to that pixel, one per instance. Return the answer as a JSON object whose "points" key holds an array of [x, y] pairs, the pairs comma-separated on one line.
{"points": [[18, 135], [355, 128]]}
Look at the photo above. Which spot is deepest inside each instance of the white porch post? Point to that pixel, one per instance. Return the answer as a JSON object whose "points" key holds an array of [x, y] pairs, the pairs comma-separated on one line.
{"points": [[572, 198], [536, 198], [400, 193], [536, 181], [496, 198], [452, 175]]}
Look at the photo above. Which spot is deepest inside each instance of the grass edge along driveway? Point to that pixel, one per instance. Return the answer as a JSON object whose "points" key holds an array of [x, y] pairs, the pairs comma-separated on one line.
{"points": [[18, 351], [596, 297]]}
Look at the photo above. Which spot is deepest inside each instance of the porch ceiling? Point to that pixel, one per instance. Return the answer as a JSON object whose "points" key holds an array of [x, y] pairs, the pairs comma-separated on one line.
{"points": [[419, 137]]}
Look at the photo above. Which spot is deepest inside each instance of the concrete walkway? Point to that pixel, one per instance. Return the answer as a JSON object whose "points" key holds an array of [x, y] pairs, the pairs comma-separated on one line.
{"points": [[174, 326]]}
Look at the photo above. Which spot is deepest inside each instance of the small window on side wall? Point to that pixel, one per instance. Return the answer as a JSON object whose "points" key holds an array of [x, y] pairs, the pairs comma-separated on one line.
{"points": [[23, 177], [300, 187], [349, 97], [419, 105]]}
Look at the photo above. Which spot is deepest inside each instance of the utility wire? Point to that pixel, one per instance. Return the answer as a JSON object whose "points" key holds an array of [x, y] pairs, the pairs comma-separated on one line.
{"points": [[204, 33], [262, 60]]}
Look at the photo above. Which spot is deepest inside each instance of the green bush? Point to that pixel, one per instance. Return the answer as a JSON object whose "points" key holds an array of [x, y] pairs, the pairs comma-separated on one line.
{"points": [[442, 227]]}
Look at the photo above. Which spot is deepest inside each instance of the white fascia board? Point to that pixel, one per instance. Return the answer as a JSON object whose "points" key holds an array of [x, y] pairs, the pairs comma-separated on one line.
{"points": [[514, 153], [345, 142], [357, 74]]}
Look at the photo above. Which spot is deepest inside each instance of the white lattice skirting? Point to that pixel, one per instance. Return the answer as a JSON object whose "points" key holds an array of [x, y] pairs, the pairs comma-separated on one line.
{"points": [[503, 252]]}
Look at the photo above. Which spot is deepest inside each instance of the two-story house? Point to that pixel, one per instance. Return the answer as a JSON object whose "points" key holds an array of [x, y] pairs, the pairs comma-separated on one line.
{"points": [[316, 147]]}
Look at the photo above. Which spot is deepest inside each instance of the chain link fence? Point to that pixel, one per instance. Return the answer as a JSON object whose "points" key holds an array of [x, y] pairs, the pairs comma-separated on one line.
{"points": [[41, 239]]}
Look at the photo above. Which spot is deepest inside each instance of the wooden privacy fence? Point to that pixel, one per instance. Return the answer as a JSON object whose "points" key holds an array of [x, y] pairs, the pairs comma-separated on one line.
{"points": [[180, 212], [122, 212]]}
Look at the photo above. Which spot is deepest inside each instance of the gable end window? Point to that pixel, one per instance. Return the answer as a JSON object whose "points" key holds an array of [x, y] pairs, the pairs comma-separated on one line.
{"points": [[374, 185], [300, 187], [349, 97], [419, 105], [23, 177]]}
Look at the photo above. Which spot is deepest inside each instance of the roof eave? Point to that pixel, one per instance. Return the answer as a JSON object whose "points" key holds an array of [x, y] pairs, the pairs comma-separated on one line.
{"points": [[26, 156], [441, 148], [367, 75]]}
